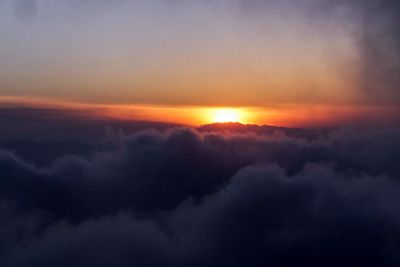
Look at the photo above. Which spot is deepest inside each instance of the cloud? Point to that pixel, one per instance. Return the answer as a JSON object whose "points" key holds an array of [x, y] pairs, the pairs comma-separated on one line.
{"points": [[187, 198], [374, 30], [316, 218], [96, 243], [261, 217], [379, 44], [52, 124]]}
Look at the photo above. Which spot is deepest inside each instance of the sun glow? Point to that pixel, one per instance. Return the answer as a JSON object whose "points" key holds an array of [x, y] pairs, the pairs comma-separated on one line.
{"points": [[226, 115]]}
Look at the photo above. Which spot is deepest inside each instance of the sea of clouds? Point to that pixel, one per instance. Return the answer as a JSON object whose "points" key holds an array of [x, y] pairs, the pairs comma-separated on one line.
{"points": [[181, 196]]}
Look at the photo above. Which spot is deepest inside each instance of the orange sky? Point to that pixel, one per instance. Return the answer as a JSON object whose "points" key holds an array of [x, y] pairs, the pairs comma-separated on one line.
{"points": [[294, 115], [282, 64]]}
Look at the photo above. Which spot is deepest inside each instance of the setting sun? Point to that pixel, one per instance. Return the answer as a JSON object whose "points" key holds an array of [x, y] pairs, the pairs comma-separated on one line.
{"points": [[226, 115]]}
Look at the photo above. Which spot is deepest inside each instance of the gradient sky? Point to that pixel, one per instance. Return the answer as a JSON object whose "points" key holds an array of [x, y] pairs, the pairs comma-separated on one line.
{"points": [[258, 54]]}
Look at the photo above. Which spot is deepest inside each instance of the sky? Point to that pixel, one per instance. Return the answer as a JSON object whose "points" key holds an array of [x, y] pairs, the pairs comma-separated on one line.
{"points": [[273, 55], [199, 133]]}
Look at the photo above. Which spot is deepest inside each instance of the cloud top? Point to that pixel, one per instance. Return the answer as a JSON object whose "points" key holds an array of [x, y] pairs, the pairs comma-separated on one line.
{"points": [[184, 197]]}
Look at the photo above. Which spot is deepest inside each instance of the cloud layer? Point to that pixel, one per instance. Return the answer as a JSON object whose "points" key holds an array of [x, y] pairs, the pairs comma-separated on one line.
{"points": [[185, 197]]}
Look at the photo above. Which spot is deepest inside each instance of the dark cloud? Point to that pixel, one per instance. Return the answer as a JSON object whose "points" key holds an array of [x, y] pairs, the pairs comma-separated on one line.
{"points": [[97, 243], [46, 124], [186, 197], [316, 218], [377, 30], [375, 27], [380, 47], [262, 217]]}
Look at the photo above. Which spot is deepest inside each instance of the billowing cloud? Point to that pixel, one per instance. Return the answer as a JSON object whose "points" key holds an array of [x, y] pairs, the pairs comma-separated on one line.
{"points": [[185, 197]]}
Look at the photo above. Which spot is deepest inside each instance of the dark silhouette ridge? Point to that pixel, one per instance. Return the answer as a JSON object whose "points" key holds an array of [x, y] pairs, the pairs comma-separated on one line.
{"points": [[236, 127]]}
